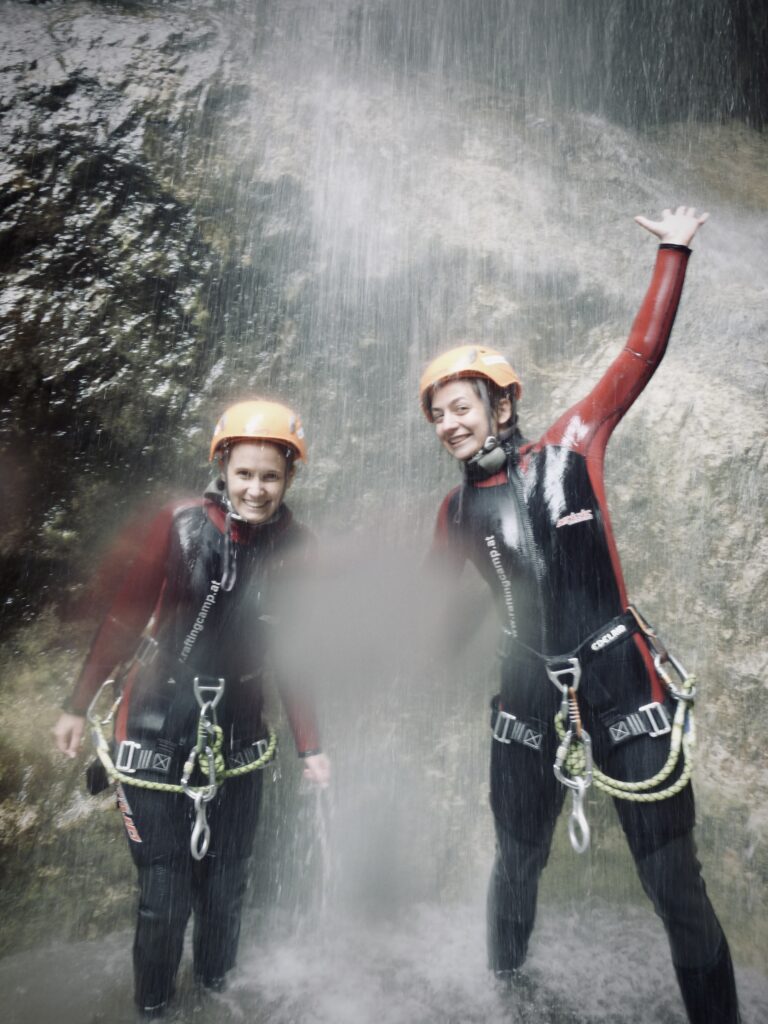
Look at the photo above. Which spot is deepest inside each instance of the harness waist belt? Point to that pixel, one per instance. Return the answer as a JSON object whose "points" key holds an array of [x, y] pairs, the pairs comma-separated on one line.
{"points": [[508, 728], [132, 757]]}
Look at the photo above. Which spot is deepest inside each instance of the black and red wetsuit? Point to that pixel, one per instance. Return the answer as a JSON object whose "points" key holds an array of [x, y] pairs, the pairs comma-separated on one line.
{"points": [[540, 534], [200, 628]]}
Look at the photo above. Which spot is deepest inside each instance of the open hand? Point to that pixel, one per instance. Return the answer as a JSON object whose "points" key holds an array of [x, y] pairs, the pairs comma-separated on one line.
{"points": [[676, 228]]}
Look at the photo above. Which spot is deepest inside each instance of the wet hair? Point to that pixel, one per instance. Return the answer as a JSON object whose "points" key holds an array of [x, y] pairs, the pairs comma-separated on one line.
{"points": [[494, 395]]}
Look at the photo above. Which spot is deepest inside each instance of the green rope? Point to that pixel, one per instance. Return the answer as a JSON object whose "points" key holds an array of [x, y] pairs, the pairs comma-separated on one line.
{"points": [[683, 740]]}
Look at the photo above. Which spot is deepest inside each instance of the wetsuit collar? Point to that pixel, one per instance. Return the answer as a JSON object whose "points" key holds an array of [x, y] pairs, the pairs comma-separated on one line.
{"points": [[241, 531], [496, 454]]}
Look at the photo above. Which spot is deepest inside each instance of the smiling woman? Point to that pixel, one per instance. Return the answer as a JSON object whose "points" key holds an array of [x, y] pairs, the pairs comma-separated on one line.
{"points": [[257, 477], [189, 634], [532, 518]]}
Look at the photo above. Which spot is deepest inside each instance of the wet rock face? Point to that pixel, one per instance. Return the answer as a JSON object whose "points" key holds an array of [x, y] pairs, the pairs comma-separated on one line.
{"points": [[103, 332]]}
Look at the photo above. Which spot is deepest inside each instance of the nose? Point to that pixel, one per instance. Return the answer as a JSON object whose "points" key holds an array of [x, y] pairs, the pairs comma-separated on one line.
{"points": [[447, 424], [256, 487]]}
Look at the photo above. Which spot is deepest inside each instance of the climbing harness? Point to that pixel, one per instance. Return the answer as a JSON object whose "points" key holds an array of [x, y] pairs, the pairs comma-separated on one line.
{"points": [[574, 766], [206, 755]]}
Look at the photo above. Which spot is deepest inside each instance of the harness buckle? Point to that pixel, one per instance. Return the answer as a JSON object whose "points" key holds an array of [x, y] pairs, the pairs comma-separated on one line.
{"points": [[569, 667], [502, 725], [125, 755], [658, 719]]}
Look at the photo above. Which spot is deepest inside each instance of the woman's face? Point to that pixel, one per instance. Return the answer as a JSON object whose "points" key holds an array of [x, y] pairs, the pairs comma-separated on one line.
{"points": [[461, 420], [257, 478]]}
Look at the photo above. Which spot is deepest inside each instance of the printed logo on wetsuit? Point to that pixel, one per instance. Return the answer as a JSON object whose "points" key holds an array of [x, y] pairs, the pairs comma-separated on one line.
{"points": [[608, 638], [127, 813], [575, 517]]}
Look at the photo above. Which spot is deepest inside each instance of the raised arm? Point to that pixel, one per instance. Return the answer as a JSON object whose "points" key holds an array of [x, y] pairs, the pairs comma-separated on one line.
{"points": [[587, 426]]}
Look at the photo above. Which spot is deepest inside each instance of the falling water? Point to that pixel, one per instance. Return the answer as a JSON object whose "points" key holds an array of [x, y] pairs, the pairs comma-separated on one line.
{"points": [[310, 200]]}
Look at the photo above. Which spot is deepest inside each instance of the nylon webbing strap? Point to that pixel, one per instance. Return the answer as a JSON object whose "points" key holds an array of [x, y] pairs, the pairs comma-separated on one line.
{"points": [[602, 639]]}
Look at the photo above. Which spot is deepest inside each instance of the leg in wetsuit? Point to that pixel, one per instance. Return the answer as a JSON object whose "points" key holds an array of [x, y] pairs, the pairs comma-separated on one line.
{"points": [[526, 800], [172, 884]]}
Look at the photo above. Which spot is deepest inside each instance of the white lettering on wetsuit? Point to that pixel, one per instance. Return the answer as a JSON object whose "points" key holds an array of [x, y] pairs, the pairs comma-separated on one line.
{"points": [[608, 638], [506, 586], [199, 622]]}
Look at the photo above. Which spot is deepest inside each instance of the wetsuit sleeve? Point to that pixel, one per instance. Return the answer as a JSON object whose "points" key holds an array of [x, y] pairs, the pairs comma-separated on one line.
{"points": [[587, 426], [142, 554], [303, 721]]}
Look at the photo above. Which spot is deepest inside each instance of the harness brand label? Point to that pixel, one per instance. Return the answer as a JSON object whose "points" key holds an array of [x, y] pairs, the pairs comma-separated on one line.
{"points": [[575, 517], [127, 813], [609, 637]]}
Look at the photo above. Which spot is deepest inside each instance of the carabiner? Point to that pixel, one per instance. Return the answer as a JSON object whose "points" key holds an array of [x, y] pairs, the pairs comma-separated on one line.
{"points": [[562, 753], [688, 696], [201, 833], [578, 826]]}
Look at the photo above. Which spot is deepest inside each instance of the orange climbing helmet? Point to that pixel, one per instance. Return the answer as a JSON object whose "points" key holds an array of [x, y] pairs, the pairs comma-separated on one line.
{"points": [[260, 421], [463, 362]]}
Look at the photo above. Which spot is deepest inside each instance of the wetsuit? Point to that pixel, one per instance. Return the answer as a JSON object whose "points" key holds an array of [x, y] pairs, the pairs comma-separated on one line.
{"points": [[539, 533], [211, 599]]}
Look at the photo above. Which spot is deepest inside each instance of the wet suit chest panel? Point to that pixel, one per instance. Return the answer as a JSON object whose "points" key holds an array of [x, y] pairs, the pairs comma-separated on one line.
{"points": [[538, 539], [212, 632]]}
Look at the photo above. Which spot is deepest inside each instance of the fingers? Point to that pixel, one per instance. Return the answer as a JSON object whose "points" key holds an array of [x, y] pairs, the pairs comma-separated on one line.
{"points": [[675, 228], [68, 732]]}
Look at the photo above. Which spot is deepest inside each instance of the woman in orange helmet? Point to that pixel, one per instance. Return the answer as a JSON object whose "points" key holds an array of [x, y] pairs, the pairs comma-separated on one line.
{"points": [[191, 618], [533, 519]]}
